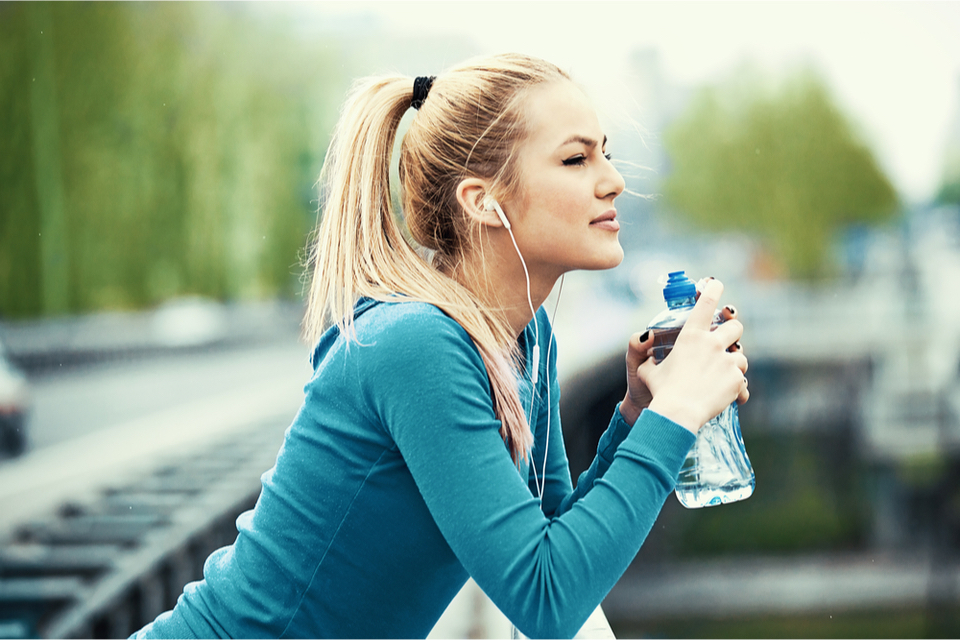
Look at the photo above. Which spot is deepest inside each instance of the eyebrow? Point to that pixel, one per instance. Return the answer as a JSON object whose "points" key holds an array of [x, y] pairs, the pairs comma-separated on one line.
{"points": [[584, 140]]}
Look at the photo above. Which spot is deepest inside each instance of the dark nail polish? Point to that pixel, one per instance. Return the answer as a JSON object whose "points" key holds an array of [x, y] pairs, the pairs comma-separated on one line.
{"points": [[732, 309], [646, 334]]}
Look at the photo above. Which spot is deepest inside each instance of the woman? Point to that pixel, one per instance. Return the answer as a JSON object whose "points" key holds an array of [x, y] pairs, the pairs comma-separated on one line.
{"points": [[428, 448]]}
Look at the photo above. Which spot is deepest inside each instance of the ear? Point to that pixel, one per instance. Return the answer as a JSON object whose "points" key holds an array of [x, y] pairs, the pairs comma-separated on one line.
{"points": [[470, 194]]}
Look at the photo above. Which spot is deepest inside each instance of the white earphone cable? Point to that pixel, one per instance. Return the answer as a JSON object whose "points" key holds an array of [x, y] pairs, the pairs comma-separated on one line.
{"points": [[546, 444], [534, 370], [534, 365]]}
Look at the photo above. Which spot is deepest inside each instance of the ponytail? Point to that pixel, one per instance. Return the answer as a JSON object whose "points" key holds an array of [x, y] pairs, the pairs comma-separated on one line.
{"points": [[360, 250]]}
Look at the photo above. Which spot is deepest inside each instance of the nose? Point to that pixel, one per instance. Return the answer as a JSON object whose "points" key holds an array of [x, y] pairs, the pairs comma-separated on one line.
{"points": [[611, 183]]}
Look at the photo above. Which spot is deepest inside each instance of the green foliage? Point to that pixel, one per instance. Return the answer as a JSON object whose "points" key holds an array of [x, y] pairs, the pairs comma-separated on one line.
{"points": [[183, 153], [784, 164], [19, 223], [949, 192]]}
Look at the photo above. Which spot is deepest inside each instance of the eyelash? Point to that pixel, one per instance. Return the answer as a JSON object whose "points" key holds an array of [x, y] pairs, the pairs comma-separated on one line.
{"points": [[576, 161]]}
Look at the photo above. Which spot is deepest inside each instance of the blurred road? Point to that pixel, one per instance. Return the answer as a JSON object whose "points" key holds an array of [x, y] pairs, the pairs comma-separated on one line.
{"points": [[100, 396], [92, 425]]}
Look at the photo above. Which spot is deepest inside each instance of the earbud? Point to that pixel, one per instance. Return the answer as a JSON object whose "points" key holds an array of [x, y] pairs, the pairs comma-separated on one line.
{"points": [[490, 204]]}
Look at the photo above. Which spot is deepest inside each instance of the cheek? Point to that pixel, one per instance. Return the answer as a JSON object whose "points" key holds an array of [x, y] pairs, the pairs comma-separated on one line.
{"points": [[557, 200], [563, 203]]}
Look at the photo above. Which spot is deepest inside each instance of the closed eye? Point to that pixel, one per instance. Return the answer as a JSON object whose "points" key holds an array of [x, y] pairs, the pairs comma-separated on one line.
{"points": [[581, 159]]}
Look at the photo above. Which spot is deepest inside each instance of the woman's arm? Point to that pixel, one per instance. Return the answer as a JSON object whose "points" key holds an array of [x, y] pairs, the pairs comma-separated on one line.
{"points": [[547, 575]]}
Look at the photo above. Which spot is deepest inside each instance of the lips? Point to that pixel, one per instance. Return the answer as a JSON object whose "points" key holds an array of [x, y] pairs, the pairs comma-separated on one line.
{"points": [[607, 221]]}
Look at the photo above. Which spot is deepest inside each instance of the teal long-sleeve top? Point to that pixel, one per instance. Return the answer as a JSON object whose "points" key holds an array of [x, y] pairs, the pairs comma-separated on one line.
{"points": [[393, 486]]}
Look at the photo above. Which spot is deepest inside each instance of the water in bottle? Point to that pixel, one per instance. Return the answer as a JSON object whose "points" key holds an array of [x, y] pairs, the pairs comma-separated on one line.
{"points": [[717, 469]]}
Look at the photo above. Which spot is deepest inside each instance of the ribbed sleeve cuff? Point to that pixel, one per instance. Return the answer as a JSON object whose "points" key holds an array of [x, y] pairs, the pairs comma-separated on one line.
{"points": [[659, 438], [617, 431]]}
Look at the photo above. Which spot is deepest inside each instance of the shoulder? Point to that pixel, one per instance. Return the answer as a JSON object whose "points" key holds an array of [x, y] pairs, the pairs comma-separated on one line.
{"points": [[410, 320], [398, 347], [407, 354], [414, 331]]}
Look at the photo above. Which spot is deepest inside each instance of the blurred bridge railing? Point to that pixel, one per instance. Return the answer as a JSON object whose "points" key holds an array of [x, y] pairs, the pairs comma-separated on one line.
{"points": [[100, 532], [105, 565]]}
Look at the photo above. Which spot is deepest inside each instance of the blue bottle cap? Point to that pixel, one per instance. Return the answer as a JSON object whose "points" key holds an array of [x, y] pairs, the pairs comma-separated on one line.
{"points": [[679, 286]]}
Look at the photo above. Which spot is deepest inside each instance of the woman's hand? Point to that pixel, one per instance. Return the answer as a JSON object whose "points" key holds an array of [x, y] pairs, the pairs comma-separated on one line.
{"points": [[638, 396], [703, 373]]}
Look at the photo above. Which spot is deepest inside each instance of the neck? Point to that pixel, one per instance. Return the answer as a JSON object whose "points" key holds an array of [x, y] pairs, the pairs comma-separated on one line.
{"points": [[497, 277]]}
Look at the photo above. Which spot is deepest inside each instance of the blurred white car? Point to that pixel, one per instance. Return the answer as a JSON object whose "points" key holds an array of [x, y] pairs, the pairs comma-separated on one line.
{"points": [[14, 402]]}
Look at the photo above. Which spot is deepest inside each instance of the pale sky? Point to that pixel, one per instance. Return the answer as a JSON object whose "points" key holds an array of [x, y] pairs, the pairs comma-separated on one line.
{"points": [[893, 66]]}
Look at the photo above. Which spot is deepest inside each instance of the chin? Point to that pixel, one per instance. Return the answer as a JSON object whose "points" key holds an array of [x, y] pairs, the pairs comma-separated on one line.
{"points": [[607, 260], [614, 263]]}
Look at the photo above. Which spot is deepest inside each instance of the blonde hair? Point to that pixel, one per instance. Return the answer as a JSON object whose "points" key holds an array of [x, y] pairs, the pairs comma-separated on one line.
{"points": [[470, 125]]}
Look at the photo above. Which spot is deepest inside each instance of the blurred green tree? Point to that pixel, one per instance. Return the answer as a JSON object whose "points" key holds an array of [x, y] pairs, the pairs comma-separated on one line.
{"points": [[949, 192], [153, 150], [781, 163]]}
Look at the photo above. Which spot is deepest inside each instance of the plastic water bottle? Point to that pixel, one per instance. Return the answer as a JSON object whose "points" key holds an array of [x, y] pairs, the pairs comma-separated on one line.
{"points": [[717, 469]]}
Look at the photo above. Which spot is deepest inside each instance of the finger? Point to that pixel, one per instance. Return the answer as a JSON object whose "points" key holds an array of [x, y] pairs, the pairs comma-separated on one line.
{"points": [[729, 312], [702, 314], [735, 347], [729, 333], [741, 362], [701, 283], [744, 394], [638, 348]]}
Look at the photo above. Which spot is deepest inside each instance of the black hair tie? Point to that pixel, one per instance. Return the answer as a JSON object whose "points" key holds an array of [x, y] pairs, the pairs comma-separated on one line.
{"points": [[421, 87]]}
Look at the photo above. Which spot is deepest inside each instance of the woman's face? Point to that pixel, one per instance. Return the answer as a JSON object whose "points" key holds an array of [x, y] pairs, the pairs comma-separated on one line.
{"points": [[564, 218]]}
